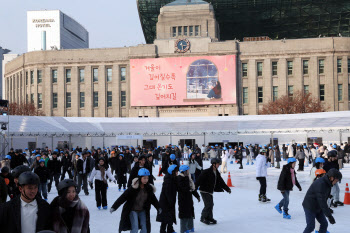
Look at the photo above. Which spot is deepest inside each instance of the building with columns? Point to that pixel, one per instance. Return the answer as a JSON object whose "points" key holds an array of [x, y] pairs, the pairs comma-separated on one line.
{"points": [[106, 82]]}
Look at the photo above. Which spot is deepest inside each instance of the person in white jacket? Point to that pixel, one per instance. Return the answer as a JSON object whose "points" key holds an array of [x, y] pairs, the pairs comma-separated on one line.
{"points": [[100, 173], [290, 151], [261, 173], [224, 158]]}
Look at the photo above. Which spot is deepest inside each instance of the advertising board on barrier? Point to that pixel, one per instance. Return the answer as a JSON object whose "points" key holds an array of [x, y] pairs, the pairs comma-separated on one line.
{"points": [[183, 81]]}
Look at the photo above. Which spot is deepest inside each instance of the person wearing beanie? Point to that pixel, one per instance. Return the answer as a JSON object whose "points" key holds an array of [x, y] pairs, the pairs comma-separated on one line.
{"points": [[101, 173], [167, 201], [138, 199], [286, 182], [69, 213], [186, 188]]}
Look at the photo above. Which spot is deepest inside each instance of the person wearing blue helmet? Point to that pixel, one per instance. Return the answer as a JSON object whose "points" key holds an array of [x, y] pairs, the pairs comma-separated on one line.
{"points": [[307, 155], [138, 199], [167, 200], [300, 156], [44, 175], [167, 161], [6, 162], [286, 182], [212, 153], [36, 163], [186, 188], [186, 151], [17, 159], [319, 162]]}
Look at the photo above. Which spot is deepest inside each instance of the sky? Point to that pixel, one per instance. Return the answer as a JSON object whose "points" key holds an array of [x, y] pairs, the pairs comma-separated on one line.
{"points": [[110, 23]]}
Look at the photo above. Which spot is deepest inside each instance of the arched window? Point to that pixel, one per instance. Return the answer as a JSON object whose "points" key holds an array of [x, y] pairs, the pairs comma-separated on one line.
{"points": [[202, 77]]}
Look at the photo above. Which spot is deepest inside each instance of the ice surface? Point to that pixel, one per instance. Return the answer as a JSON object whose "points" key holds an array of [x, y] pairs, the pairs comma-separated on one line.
{"points": [[238, 212]]}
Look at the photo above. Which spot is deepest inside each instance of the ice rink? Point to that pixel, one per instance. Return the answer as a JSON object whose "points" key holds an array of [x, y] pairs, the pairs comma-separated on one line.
{"points": [[238, 212]]}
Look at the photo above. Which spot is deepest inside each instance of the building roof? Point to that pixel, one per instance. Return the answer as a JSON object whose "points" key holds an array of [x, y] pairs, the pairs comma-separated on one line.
{"points": [[255, 124], [277, 19], [186, 2]]}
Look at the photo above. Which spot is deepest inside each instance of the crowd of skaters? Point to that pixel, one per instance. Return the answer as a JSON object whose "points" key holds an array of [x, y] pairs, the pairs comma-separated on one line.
{"points": [[97, 167]]}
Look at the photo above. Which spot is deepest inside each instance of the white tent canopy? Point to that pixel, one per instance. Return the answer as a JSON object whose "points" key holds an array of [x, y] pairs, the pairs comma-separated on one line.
{"points": [[256, 124]]}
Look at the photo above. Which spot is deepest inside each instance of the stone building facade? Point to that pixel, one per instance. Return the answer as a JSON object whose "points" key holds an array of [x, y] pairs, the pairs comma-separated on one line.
{"points": [[96, 82]]}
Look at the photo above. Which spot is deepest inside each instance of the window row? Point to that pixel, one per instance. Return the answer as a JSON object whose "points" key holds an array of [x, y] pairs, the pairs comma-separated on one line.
{"points": [[305, 67], [68, 99], [185, 31], [291, 92], [81, 75]]}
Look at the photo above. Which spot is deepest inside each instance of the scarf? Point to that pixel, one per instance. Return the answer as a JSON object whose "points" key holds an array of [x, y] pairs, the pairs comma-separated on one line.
{"points": [[293, 175], [81, 215], [103, 171]]}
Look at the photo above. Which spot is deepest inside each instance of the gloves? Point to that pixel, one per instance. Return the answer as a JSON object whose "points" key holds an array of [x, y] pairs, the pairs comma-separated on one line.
{"points": [[282, 191], [160, 211], [11, 196], [331, 220], [300, 189], [114, 181], [199, 199], [111, 210], [229, 191], [154, 178]]}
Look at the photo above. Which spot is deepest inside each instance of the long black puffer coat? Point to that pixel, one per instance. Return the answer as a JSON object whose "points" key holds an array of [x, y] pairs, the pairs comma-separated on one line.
{"points": [[207, 183], [285, 181], [129, 197], [167, 200], [185, 201], [121, 170]]}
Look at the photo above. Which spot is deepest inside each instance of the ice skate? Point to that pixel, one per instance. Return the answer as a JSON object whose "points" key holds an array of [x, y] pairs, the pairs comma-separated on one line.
{"points": [[278, 208], [286, 215]]}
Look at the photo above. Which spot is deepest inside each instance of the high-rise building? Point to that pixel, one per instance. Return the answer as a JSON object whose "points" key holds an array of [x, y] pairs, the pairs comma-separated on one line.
{"points": [[2, 53], [52, 30]]}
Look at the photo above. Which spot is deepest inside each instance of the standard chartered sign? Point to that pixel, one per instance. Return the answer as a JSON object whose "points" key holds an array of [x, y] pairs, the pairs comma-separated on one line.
{"points": [[43, 23]]}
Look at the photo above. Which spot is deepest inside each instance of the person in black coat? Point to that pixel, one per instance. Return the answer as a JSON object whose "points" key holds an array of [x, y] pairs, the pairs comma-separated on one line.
{"points": [[54, 166], [138, 200], [133, 174], [11, 211], [208, 182], [286, 181], [121, 170], [239, 157], [186, 189], [315, 201], [44, 175], [66, 163], [83, 169], [167, 201], [149, 166], [166, 162], [17, 159], [113, 161], [199, 160], [9, 181]]}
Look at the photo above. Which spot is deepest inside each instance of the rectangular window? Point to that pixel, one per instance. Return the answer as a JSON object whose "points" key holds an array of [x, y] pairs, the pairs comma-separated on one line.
{"points": [[306, 89], [185, 30], [26, 98], [305, 67], [32, 98], [122, 73], [40, 100], [348, 65], [275, 93], [54, 76], [109, 74], [244, 69], [68, 100], [339, 61], [191, 31], [82, 99], [340, 92], [290, 67], [31, 77], [245, 95], [290, 91], [179, 31], [54, 100], [81, 75], [174, 32], [26, 77], [274, 68], [321, 66], [348, 91], [40, 76], [196, 30], [68, 75], [95, 99], [322, 92], [95, 74], [109, 99], [259, 68], [123, 98], [260, 95]]}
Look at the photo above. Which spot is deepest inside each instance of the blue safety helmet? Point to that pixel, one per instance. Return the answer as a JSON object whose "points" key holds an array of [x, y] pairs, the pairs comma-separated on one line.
{"points": [[212, 147], [225, 148], [8, 157], [34, 151], [305, 146], [230, 146], [319, 160], [38, 155], [335, 146], [270, 147], [171, 168], [298, 144], [184, 168], [56, 150], [292, 160], [41, 160], [121, 155], [216, 145], [172, 157], [26, 148], [73, 149], [143, 172], [137, 151]]}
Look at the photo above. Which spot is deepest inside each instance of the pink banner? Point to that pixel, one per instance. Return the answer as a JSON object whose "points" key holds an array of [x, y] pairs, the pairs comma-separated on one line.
{"points": [[183, 81]]}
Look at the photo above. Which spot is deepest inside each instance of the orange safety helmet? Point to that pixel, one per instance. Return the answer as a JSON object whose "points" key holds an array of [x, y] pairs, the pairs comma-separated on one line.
{"points": [[319, 172]]}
